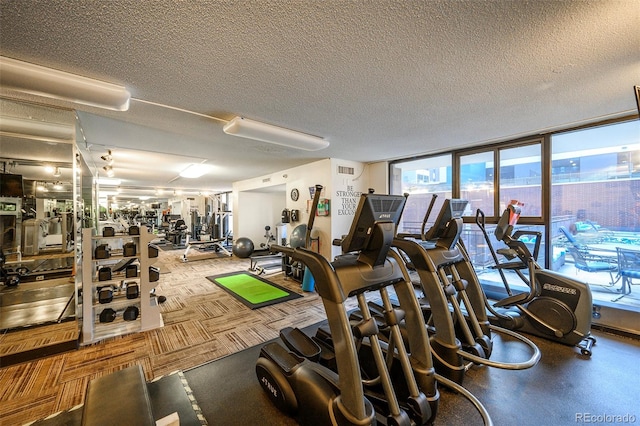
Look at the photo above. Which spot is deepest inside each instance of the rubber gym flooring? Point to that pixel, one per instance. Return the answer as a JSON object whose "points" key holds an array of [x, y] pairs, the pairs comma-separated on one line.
{"points": [[564, 388]]}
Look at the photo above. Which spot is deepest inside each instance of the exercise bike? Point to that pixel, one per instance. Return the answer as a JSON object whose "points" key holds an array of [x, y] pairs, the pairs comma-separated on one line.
{"points": [[555, 307]]}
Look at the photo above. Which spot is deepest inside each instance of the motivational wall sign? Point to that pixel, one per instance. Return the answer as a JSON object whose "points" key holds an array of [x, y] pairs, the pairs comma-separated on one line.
{"points": [[346, 201]]}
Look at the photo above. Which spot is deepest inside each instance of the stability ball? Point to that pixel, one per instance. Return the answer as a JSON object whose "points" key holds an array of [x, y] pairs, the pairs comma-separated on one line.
{"points": [[242, 247], [298, 236]]}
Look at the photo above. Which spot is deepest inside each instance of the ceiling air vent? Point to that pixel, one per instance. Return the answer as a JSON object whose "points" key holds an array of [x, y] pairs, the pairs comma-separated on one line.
{"points": [[344, 170]]}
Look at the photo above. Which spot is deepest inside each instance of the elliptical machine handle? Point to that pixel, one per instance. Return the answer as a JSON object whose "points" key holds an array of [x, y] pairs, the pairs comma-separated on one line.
{"points": [[426, 215], [479, 222], [276, 248], [312, 215], [538, 239]]}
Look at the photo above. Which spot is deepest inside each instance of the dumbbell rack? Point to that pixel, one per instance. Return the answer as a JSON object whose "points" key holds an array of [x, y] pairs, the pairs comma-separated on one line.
{"points": [[149, 312]]}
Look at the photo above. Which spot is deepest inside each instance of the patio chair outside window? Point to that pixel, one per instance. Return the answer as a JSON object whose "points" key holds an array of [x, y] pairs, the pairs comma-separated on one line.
{"points": [[629, 268], [594, 263]]}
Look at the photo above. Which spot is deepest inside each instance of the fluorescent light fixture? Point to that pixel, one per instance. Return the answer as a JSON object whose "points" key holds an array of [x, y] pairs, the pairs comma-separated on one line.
{"points": [[195, 170], [251, 129], [51, 83], [35, 129], [108, 181]]}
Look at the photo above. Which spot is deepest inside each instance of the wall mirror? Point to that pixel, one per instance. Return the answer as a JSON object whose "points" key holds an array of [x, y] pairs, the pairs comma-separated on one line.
{"points": [[40, 177]]}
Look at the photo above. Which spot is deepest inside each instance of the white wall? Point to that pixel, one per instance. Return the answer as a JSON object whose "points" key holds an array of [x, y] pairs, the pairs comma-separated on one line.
{"points": [[257, 210], [378, 174], [252, 207], [301, 178], [345, 196]]}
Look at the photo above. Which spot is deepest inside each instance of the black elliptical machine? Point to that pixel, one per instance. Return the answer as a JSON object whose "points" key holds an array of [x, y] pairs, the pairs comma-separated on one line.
{"points": [[453, 303], [300, 382], [555, 307]]}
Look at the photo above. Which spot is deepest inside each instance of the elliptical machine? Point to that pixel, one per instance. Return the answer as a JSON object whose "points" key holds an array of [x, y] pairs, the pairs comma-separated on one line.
{"points": [[555, 307], [300, 385], [453, 306]]}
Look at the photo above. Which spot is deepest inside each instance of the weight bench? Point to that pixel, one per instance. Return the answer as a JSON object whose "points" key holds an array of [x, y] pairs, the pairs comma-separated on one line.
{"points": [[266, 264], [215, 244], [120, 398]]}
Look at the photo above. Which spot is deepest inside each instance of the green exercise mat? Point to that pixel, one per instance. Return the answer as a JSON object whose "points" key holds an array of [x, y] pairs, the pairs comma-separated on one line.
{"points": [[255, 292]]}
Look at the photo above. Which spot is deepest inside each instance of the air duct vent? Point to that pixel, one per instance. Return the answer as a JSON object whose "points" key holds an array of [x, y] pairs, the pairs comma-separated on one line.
{"points": [[344, 170]]}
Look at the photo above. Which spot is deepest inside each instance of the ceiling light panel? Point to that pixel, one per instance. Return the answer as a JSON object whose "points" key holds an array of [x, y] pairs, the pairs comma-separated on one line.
{"points": [[37, 80], [195, 171], [250, 129]]}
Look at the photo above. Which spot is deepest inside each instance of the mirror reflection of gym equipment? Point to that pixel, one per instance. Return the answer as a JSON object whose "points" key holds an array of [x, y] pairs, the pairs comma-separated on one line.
{"points": [[36, 218], [204, 232]]}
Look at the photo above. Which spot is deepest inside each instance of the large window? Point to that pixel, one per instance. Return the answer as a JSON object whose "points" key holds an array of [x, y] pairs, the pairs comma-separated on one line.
{"points": [[477, 181], [579, 189], [517, 179], [421, 179], [595, 205], [521, 178]]}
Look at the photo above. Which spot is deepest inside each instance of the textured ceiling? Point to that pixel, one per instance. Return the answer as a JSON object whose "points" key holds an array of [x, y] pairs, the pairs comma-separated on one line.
{"points": [[379, 80]]}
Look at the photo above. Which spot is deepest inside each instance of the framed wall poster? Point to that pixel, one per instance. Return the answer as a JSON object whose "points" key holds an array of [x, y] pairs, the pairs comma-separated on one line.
{"points": [[323, 207]]}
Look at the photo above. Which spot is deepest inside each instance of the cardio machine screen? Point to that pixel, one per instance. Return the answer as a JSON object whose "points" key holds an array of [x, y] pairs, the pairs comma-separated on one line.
{"points": [[374, 226], [451, 209]]}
